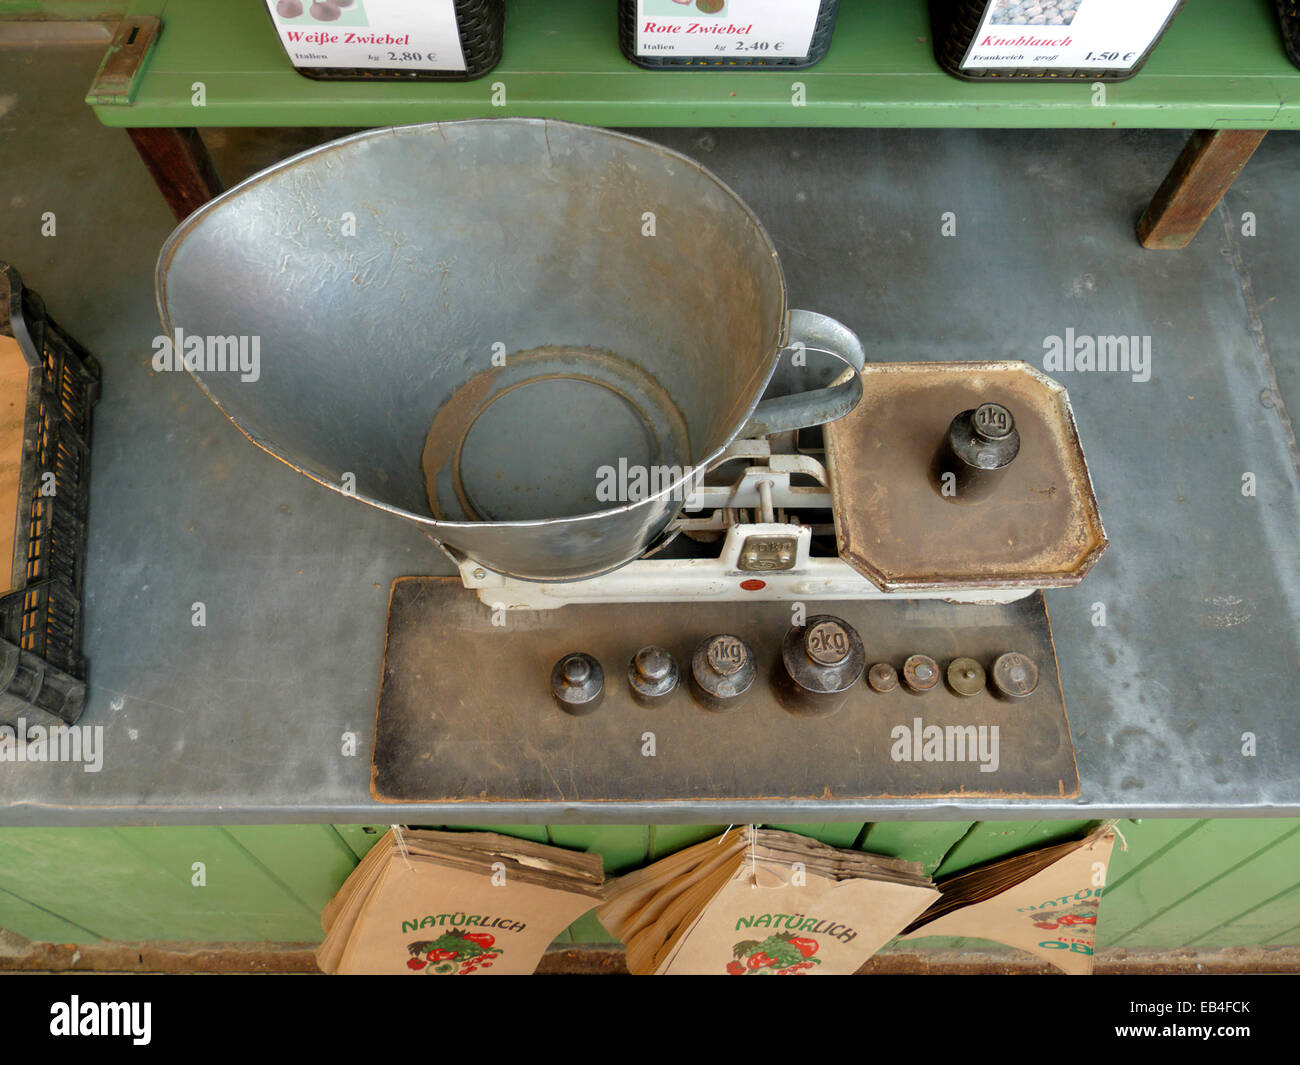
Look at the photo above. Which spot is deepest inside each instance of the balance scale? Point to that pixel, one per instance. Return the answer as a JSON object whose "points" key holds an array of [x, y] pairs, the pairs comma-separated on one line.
{"points": [[926, 606]]}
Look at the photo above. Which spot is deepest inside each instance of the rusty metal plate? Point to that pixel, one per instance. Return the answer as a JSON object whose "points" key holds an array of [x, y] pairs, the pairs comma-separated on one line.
{"points": [[1041, 528], [465, 711], [119, 72]]}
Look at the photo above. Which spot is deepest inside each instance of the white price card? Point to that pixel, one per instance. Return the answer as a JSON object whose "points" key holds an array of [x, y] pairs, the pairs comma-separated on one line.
{"points": [[1068, 34], [370, 34], [745, 29]]}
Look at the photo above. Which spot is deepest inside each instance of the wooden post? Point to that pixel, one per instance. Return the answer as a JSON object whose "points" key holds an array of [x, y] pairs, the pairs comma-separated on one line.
{"points": [[1195, 185], [181, 167]]}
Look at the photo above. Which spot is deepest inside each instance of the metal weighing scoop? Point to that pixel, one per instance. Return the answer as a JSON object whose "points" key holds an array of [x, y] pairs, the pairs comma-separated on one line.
{"points": [[494, 329]]}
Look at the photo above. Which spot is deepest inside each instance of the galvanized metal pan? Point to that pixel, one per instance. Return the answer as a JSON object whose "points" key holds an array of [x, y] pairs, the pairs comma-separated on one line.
{"points": [[486, 327]]}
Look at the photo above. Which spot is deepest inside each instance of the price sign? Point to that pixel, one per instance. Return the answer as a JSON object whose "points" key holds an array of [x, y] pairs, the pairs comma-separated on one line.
{"points": [[715, 28], [369, 34], [1067, 34]]}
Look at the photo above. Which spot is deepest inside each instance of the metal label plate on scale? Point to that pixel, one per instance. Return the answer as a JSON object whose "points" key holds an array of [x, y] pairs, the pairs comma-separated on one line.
{"points": [[466, 714]]}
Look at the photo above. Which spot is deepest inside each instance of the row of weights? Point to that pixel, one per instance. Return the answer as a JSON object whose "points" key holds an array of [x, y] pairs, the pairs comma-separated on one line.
{"points": [[820, 663]]}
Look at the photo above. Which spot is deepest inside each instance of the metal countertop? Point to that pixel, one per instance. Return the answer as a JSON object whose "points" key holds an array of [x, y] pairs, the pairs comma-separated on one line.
{"points": [[244, 720]]}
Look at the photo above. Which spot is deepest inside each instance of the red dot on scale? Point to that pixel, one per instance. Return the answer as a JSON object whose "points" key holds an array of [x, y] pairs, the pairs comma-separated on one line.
{"points": [[753, 585]]}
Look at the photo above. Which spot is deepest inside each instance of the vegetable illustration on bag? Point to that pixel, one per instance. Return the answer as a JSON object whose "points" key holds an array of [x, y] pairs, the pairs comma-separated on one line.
{"points": [[455, 953], [784, 954], [1084, 913]]}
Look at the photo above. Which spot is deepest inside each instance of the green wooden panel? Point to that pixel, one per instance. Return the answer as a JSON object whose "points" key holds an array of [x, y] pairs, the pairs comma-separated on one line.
{"points": [[237, 889], [39, 924], [989, 840], [924, 842], [1258, 925], [312, 861], [1205, 880], [1181, 882], [360, 838], [94, 879], [1288, 938], [1138, 843], [1163, 854]]}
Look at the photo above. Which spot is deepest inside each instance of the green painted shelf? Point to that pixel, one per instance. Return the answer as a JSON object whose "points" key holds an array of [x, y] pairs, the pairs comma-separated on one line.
{"points": [[1220, 66]]}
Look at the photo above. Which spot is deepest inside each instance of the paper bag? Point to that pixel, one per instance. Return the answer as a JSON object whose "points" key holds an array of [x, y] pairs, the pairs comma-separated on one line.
{"points": [[425, 918], [760, 923], [1053, 914]]}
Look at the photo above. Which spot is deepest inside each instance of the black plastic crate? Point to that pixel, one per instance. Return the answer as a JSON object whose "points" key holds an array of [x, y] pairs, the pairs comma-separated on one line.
{"points": [[481, 26], [823, 30], [1288, 15], [41, 665], [954, 24]]}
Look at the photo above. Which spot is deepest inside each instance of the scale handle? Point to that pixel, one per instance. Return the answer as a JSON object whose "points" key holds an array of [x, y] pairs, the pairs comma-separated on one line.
{"points": [[815, 332]]}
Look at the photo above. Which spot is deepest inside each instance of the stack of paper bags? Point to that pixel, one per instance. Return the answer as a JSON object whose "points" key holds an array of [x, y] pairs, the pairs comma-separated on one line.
{"points": [[456, 903], [1045, 902], [763, 902]]}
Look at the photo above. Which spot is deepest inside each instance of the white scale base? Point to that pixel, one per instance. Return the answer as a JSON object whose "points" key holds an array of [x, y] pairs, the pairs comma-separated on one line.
{"points": [[755, 561]]}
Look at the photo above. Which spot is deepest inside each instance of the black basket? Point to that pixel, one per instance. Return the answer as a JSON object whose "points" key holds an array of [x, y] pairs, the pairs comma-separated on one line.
{"points": [[823, 30], [954, 23], [482, 33], [1288, 15], [41, 666]]}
